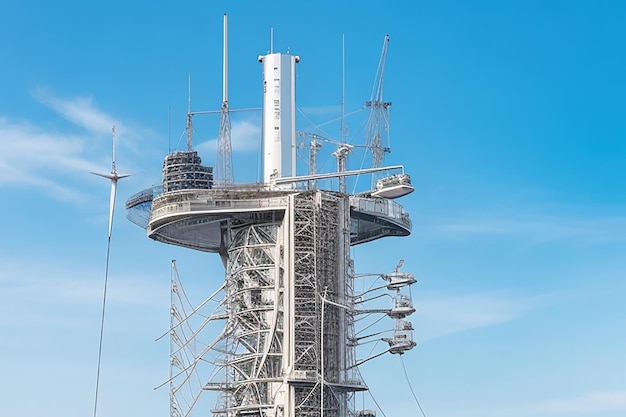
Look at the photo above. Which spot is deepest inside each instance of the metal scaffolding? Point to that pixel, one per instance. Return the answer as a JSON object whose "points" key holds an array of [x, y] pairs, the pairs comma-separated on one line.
{"points": [[284, 319]]}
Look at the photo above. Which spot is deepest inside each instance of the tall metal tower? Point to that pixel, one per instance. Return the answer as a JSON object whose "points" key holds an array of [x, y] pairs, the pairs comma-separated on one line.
{"points": [[288, 344]]}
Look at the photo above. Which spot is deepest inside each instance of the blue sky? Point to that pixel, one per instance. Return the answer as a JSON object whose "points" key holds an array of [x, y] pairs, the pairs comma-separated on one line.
{"points": [[509, 116]]}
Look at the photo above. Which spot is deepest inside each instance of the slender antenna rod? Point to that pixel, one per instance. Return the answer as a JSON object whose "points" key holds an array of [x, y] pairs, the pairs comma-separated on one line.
{"points": [[113, 176], [223, 174], [113, 170], [271, 40], [189, 115], [225, 86], [343, 87]]}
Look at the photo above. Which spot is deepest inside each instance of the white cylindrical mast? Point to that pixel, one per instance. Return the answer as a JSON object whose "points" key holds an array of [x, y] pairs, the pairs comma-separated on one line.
{"points": [[279, 115], [225, 86]]}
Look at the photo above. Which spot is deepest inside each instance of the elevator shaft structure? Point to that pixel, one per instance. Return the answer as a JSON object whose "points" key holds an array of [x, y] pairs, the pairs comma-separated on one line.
{"points": [[288, 347]]}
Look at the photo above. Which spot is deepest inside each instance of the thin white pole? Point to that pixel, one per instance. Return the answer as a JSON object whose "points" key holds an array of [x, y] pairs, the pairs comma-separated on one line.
{"points": [[322, 354], [225, 86]]}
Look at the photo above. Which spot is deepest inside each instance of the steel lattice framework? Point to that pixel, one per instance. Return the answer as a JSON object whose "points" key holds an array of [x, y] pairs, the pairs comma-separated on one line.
{"points": [[224, 165], [284, 312], [285, 348], [287, 345]]}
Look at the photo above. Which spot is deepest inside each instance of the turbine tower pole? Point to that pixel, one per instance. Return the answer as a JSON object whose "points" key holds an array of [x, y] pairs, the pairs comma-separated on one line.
{"points": [[113, 176], [224, 165]]}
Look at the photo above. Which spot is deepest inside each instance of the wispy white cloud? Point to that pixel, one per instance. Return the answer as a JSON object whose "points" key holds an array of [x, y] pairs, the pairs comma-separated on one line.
{"points": [[538, 229], [81, 111], [65, 287], [589, 403], [437, 316], [34, 157], [51, 160], [52, 299], [245, 136]]}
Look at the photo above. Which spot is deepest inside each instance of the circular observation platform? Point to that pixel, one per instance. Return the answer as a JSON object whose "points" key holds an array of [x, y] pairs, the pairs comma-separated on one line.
{"points": [[195, 218], [373, 218]]}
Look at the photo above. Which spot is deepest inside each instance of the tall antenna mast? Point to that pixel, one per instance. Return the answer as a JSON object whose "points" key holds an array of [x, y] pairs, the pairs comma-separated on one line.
{"points": [[342, 126], [224, 165], [189, 115], [225, 63]]}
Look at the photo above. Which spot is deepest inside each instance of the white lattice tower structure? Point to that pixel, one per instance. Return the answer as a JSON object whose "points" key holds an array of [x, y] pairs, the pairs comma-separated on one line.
{"points": [[287, 347], [224, 165]]}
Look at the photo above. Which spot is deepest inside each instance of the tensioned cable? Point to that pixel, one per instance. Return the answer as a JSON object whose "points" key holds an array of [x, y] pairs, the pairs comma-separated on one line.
{"points": [[368, 359], [187, 316], [371, 324], [376, 402], [104, 298], [410, 387]]}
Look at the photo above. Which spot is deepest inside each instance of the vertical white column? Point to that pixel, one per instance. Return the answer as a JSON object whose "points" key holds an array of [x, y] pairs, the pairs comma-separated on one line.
{"points": [[279, 124], [225, 62]]}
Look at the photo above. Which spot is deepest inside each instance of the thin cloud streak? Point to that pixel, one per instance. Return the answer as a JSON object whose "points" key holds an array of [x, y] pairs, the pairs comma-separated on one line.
{"points": [[63, 291], [29, 147], [439, 316], [245, 137], [45, 307], [538, 230], [52, 161], [40, 159], [79, 110], [588, 403], [83, 112]]}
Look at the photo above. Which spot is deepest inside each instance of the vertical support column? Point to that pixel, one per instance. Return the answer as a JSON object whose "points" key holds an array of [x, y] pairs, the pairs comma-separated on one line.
{"points": [[254, 286], [288, 303]]}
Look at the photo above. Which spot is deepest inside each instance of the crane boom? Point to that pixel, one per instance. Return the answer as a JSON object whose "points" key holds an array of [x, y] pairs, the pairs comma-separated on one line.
{"points": [[378, 121]]}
